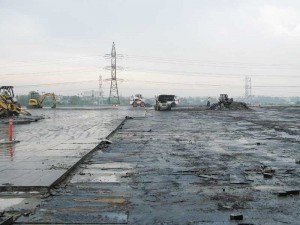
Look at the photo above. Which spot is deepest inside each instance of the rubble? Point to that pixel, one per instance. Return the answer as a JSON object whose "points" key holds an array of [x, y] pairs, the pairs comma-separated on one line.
{"points": [[287, 193], [232, 106], [268, 175], [236, 217]]}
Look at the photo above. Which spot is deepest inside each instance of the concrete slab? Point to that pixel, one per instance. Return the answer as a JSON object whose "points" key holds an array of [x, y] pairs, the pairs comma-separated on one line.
{"points": [[29, 179], [50, 148]]}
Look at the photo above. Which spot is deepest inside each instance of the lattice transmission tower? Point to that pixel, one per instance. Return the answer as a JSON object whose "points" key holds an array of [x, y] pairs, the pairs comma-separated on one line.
{"points": [[248, 91], [100, 91], [114, 94]]}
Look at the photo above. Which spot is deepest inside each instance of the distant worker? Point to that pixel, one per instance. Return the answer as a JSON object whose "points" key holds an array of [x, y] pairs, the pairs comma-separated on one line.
{"points": [[208, 102]]}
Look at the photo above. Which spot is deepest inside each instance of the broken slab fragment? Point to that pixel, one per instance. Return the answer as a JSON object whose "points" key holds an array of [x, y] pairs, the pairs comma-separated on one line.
{"points": [[286, 193], [106, 141], [282, 194], [293, 192], [268, 175], [236, 217]]}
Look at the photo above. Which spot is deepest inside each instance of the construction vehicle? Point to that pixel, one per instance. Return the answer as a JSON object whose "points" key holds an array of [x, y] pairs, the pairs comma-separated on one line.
{"points": [[223, 99], [228, 103], [165, 102], [36, 100], [224, 102], [8, 104], [137, 100]]}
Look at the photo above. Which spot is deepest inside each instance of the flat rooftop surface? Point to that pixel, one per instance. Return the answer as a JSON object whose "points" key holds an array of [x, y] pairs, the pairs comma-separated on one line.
{"points": [[186, 167], [49, 147]]}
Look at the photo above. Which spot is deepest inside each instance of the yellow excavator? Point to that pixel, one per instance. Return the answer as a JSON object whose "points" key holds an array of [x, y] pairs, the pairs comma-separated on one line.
{"points": [[8, 104], [36, 100]]}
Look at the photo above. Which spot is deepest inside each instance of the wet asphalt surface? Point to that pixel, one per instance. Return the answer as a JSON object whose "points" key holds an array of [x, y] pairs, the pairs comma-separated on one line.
{"points": [[184, 167]]}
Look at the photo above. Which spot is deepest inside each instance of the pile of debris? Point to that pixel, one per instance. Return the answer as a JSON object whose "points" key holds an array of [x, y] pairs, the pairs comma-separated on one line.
{"points": [[226, 103]]}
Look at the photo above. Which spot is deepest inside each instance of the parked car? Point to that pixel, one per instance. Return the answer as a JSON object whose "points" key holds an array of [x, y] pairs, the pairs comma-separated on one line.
{"points": [[165, 102]]}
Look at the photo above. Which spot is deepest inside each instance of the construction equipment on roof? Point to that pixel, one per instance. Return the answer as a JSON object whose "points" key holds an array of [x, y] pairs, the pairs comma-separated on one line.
{"points": [[228, 103], [8, 104], [36, 100], [137, 100]]}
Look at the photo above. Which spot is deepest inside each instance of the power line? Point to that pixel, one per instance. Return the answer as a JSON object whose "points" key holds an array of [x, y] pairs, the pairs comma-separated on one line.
{"points": [[154, 59], [50, 61], [199, 73], [160, 82], [175, 83], [207, 62], [279, 86], [58, 83], [47, 72]]}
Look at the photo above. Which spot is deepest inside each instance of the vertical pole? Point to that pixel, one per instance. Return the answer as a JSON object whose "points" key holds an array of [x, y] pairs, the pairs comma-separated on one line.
{"points": [[10, 128]]}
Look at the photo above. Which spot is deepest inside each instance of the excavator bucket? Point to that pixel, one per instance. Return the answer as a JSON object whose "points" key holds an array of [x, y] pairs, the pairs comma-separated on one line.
{"points": [[25, 112]]}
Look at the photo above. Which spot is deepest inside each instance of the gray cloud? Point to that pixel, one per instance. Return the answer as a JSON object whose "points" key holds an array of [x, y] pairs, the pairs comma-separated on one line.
{"points": [[256, 38]]}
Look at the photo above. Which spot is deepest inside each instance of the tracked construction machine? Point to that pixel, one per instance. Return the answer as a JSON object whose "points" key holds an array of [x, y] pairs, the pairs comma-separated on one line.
{"points": [[228, 103], [36, 101], [223, 99], [8, 104]]}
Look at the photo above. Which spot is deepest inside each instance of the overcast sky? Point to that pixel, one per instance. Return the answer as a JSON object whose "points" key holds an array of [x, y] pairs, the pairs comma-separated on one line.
{"points": [[188, 47]]}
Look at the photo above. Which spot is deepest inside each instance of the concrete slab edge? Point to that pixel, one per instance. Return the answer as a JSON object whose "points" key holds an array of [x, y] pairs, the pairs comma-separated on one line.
{"points": [[7, 221], [66, 174]]}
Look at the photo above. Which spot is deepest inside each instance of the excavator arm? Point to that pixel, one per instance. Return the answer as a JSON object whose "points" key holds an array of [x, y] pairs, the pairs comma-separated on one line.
{"points": [[52, 95]]}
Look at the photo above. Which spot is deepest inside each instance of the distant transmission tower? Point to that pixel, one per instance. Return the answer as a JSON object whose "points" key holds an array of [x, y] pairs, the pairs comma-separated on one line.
{"points": [[100, 91], [114, 94], [248, 91]]}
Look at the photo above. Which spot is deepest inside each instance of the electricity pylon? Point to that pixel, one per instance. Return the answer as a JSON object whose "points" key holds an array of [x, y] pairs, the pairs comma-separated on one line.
{"points": [[114, 94]]}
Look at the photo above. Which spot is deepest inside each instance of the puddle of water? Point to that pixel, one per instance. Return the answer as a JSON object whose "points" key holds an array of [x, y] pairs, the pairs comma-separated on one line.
{"points": [[120, 217], [268, 188], [243, 141], [111, 166], [9, 202], [288, 136], [104, 172], [106, 179], [103, 200]]}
